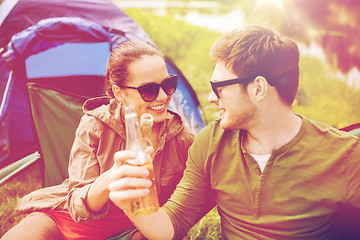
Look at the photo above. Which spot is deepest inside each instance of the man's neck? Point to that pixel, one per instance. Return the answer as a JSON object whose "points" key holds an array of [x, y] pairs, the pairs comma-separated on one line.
{"points": [[272, 133]]}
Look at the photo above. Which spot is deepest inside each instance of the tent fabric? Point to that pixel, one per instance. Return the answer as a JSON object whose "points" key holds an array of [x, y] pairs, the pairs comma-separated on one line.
{"points": [[63, 44], [46, 35], [21, 14], [56, 115]]}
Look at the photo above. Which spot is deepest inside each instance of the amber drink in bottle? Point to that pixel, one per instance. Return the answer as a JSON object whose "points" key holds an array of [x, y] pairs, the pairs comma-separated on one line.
{"points": [[137, 139]]}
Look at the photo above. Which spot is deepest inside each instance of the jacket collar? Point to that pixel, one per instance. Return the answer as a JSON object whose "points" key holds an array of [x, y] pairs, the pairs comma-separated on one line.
{"points": [[109, 111]]}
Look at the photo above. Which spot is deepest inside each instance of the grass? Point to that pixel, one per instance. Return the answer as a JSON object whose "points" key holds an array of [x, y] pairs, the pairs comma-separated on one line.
{"points": [[23, 183], [207, 228]]}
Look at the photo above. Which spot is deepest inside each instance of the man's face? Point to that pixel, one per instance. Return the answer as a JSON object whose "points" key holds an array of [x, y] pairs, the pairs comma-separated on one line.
{"points": [[236, 108]]}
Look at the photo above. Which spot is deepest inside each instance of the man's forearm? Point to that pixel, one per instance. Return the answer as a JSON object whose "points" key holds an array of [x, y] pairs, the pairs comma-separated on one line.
{"points": [[154, 226]]}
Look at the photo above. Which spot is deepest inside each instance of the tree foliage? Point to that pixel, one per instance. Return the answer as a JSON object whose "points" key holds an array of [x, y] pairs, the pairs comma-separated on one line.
{"points": [[324, 97], [332, 24]]}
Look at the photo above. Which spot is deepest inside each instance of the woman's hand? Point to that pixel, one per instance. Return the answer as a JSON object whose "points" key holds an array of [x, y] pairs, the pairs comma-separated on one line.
{"points": [[127, 182]]}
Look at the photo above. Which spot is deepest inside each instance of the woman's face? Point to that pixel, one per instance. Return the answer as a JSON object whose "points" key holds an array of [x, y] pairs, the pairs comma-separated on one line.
{"points": [[147, 69]]}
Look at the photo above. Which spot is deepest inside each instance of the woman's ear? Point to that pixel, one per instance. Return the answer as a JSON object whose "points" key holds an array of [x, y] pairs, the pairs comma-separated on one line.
{"points": [[117, 93], [260, 88]]}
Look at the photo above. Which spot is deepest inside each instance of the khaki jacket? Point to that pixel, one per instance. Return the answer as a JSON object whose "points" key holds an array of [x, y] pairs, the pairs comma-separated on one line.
{"points": [[100, 134]]}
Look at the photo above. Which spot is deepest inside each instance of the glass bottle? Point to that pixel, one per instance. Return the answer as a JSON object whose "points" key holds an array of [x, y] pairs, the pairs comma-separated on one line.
{"points": [[137, 139]]}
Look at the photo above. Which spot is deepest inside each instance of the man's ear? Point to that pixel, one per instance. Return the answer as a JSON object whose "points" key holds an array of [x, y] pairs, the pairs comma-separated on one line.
{"points": [[117, 93], [260, 88]]}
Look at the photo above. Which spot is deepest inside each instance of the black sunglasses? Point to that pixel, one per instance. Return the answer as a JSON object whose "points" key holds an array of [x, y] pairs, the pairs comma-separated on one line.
{"points": [[150, 91], [216, 85]]}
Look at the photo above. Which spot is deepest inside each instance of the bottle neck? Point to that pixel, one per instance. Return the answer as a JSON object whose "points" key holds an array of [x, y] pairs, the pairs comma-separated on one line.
{"points": [[138, 137], [132, 133]]}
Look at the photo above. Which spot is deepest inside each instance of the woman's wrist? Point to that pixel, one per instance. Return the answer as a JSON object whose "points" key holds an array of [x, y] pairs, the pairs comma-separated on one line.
{"points": [[98, 193]]}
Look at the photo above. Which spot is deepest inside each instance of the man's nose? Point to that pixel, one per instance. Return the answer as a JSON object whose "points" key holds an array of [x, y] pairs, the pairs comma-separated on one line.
{"points": [[212, 97]]}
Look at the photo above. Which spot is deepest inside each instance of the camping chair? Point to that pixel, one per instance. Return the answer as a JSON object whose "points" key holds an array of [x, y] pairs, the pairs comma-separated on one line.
{"points": [[56, 115]]}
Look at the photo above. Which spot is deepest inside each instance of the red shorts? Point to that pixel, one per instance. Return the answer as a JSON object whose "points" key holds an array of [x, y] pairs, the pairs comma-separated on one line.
{"points": [[114, 222]]}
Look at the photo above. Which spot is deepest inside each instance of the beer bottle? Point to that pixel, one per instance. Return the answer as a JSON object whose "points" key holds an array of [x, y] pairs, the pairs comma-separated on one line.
{"points": [[137, 139]]}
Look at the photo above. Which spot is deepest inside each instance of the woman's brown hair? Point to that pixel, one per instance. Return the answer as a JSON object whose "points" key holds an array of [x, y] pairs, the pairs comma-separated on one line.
{"points": [[117, 71]]}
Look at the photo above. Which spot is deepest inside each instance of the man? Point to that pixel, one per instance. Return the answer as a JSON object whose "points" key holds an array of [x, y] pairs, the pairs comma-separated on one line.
{"points": [[272, 173]]}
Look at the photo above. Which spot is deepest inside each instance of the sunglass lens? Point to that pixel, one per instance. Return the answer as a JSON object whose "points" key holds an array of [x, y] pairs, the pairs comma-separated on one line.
{"points": [[149, 92], [169, 85]]}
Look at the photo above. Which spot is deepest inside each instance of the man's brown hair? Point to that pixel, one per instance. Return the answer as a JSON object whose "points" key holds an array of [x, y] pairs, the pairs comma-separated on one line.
{"points": [[260, 51]]}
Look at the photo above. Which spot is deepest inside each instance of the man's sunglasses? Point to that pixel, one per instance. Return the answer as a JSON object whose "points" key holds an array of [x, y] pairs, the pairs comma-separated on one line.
{"points": [[216, 85], [149, 92]]}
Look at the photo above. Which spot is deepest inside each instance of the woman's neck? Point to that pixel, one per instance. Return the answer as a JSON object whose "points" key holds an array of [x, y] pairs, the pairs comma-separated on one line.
{"points": [[155, 134]]}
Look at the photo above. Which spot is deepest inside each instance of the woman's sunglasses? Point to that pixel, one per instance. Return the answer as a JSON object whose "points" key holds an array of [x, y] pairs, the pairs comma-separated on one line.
{"points": [[150, 91]]}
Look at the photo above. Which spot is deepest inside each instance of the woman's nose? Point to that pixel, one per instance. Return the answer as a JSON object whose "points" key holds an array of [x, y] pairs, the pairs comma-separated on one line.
{"points": [[162, 95]]}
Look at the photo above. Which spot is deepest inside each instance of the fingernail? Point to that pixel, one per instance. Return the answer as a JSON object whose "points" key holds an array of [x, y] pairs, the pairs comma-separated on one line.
{"points": [[148, 183], [145, 172]]}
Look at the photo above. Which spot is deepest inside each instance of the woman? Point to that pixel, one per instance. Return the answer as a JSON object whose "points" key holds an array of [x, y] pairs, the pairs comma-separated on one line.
{"points": [[79, 208]]}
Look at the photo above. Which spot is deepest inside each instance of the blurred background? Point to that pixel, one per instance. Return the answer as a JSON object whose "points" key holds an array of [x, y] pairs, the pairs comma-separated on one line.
{"points": [[326, 31]]}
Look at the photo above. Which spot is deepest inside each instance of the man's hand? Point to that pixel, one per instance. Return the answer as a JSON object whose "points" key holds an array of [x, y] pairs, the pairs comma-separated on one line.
{"points": [[127, 182]]}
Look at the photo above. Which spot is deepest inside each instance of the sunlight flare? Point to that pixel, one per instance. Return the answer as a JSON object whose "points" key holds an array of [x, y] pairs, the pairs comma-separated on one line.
{"points": [[270, 3], [278, 3]]}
